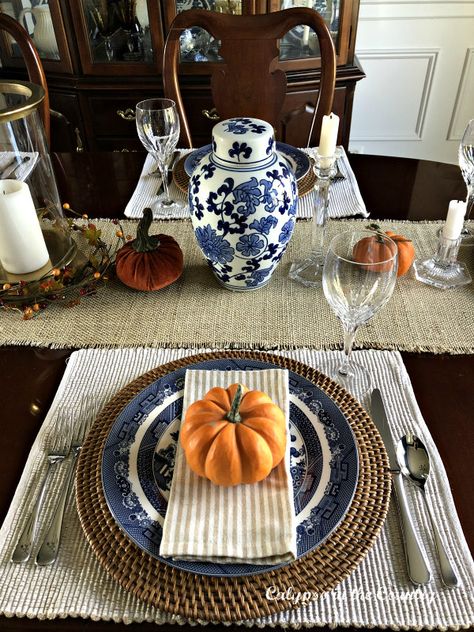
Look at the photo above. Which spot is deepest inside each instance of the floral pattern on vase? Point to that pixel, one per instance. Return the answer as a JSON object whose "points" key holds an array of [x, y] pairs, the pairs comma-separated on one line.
{"points": [[243, 197]]}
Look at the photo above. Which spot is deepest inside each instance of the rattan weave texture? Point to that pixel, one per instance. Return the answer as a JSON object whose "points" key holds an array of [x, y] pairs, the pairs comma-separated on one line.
{"points": [[181, 179], [218, 599]]}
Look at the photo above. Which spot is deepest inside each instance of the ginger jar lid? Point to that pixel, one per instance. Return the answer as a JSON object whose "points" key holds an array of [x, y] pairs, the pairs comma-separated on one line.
{"points": [[243, 140]]}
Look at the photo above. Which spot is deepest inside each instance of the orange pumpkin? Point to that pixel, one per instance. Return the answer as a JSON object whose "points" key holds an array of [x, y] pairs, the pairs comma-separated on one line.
{"points": [[365, 251], [406, 252], [372, 250], [233, 435], [149, 262]]}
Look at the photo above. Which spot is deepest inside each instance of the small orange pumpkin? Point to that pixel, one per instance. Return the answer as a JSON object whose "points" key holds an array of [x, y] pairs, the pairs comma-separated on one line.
{"points": [[233, 435], [149, 262], [365, 251], [406, 252], [372, 250]]}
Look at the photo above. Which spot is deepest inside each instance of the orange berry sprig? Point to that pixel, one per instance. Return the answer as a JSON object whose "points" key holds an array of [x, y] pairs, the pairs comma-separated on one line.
{"points": [[67, 284]]}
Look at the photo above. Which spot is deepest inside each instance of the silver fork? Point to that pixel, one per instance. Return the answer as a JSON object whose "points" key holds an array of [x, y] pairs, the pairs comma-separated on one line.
{"points": [[56, 455], [49, 548]]}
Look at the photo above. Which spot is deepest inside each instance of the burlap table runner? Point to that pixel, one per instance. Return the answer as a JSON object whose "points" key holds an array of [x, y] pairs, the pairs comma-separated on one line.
{"points": [[196, 311], [377, 593]]}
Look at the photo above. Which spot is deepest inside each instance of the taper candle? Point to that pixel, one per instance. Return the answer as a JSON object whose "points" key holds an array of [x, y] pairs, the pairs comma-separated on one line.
{"points": [[22, 245], [328, 139], [454, 220]]}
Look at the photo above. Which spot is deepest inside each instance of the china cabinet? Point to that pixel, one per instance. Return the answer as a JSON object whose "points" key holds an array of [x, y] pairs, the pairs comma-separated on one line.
{"points": [[103, 56]]}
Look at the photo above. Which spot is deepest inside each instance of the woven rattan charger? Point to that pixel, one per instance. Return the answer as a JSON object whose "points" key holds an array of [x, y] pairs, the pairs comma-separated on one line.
{"points": [[227, 599], [181, 179]]}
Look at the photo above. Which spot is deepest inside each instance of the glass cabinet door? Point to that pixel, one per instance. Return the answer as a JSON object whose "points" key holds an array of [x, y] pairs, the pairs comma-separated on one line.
{"points": [[197, 45], [299, 47], [301, 42], [222, 6], [42, 19], [114, 36]]}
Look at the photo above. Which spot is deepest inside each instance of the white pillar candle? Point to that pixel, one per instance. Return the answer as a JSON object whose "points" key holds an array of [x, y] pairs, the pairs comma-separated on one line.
{"points": [[328, 139], [454, 220], [22, 245]]}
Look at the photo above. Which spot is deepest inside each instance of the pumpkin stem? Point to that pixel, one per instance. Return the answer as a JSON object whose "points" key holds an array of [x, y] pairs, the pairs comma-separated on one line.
{"points": [[143, 241], [379, 235], [233, 415], [374, 226]]}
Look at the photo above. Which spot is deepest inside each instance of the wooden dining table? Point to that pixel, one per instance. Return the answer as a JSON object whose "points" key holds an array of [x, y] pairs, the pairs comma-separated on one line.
{"points": [[100, 184]]}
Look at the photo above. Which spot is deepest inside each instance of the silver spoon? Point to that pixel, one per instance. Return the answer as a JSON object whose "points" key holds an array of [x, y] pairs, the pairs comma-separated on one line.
{"points": [[414, 462]]}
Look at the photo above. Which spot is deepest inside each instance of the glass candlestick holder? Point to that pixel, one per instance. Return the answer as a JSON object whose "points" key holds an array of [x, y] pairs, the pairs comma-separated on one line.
{"points": [[443, 270], [309, 271]]}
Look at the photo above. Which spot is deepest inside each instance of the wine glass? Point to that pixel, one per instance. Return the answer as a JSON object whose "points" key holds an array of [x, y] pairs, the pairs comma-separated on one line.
{"points": [[105, 25], [466, 163], [158, 129], [359, 275]]}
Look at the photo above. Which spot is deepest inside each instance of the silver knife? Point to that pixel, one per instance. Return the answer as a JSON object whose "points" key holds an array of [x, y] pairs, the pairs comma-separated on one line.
{"points": [[418, 569]]}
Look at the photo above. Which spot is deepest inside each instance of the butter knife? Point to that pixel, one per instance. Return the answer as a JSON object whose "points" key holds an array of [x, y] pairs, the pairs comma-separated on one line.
{"points": [[417, 565]]}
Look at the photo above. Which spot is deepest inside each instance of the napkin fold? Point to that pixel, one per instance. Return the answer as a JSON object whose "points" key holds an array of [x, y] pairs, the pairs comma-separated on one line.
{"points": [[252, 524]]}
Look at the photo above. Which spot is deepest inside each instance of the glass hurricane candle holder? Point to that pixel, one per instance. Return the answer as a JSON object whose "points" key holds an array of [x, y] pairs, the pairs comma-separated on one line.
{"points": [[30, 213], [309, 270]]}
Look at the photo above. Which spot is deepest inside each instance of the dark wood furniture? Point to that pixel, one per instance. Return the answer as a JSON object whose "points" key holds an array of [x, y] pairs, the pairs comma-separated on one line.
{"points": [[34, 66], [98, 96], [249, 81], [101, 184]]}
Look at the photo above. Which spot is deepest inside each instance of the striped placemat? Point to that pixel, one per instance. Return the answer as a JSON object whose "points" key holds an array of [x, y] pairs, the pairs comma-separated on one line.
{"points": [[376, 594], [345, 198], [18, 165]]}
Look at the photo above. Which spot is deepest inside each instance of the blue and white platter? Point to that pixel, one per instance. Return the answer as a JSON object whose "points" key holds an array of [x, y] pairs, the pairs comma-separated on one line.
{"points": [[298, 160], [138, 461]]}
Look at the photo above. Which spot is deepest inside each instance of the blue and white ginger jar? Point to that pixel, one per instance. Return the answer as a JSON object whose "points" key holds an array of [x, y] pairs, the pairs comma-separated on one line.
{"points": [[243, 197]]}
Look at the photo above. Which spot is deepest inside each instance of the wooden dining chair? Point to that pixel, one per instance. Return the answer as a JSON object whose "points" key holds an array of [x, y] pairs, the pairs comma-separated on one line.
{"points": [[33, 64], [250, 81]]}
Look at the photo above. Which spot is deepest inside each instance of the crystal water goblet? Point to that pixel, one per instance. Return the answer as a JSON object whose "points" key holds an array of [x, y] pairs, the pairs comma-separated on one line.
{"points": [[466, 163], [359, 275], [158, 129]]}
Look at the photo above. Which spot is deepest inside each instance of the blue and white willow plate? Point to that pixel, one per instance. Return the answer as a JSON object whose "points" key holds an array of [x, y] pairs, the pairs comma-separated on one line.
{"points": [[138, 461], [299, 161]]}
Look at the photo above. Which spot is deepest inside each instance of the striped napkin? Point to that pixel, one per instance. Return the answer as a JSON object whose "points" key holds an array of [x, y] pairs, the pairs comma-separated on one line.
{"points": [[245, 523], [345, 199]]}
